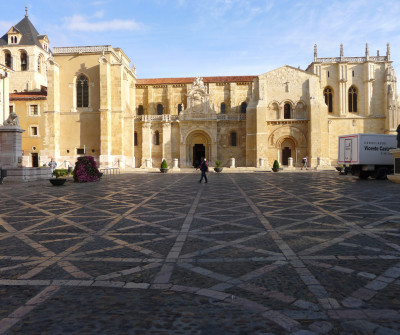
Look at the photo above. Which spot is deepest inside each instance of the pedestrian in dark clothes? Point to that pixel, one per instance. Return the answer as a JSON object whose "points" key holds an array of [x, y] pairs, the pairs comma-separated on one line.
{"points": [[203, 169]]}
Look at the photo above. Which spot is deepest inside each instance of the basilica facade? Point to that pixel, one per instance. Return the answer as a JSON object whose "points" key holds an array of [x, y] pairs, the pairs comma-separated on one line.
{"points": [[73, 101]]}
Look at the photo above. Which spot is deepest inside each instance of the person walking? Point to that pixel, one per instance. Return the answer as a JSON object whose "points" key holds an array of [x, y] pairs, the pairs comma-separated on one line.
{"points": [[203, 169], [304, 161]]}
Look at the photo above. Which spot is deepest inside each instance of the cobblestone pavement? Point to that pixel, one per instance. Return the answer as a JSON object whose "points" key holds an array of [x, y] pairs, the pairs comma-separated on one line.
{"points": [[248, 253]]}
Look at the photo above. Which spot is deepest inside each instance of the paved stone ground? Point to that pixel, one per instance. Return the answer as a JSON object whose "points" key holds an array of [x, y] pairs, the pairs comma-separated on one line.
{"points": [[248, 253]]}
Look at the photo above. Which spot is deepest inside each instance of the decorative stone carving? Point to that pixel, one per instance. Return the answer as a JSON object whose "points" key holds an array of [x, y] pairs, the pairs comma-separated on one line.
{"points": [[12, 120]]}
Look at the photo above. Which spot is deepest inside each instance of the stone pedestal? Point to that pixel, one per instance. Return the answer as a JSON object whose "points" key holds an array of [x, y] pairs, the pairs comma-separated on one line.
{"points": [[10, 147], [261, 162], [175, 164], [396, 156], [232, 166], [290, 164]]}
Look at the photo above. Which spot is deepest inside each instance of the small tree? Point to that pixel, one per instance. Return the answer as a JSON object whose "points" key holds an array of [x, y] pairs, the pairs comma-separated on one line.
{"points": [[218, 164], [164, 164], [276, 165]]}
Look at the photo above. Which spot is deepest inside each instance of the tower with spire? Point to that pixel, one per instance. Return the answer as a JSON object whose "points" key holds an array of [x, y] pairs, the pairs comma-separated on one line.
{"points": [[25, 51]]}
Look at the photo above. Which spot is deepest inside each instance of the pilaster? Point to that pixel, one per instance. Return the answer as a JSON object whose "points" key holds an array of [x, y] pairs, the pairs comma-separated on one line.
{"points": [[166, 142], [146, 143]]}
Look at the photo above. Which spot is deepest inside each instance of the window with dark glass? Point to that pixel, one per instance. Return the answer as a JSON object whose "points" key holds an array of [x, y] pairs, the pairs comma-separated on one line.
{"points": [[140, 110], [243, 108], [180, 108], [233, 139], [160, 109], [328, 99], [352, 99], [287, 111], [8, 60], [80, 151], [157, 138], [24, 61], [223, 108], [135, 138], [82, 92]]}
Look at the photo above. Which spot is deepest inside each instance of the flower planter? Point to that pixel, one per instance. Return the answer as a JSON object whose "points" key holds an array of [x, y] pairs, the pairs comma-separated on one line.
{"points": [[163, 170], [57, 181], [218, 169], [275, 170]]}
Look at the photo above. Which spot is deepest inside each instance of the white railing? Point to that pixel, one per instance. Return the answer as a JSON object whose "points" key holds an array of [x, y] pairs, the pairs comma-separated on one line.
{"points": [[352, 59], [110, 171], [191, 116], [78, 50]]}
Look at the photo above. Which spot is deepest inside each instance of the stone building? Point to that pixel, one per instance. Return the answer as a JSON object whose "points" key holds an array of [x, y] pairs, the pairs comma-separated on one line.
{"points": [[88, 100]]}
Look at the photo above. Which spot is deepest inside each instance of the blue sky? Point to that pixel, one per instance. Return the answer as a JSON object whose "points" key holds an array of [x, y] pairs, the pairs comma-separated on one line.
{"points": [[186, 38]]}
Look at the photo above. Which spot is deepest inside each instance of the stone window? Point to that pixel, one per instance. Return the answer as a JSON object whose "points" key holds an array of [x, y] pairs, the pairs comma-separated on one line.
{"points": [[8, 59], [287, 111], [233, 139], [33, 110], [80, 151], [352, 99], [24, 61], [160, 109], [135, 138], [11, 109], [34, 130], [140, 110], [243, 107], [328, 98], [223, 108], [156, 137], [180, 108], [82, 91]]}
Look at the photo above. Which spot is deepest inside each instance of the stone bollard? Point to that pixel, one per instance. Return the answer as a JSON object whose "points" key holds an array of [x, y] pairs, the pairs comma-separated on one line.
{"points": [[261, 162], [175, 164], [232, 163], [319, 161], [148, 163], [290, 162]]}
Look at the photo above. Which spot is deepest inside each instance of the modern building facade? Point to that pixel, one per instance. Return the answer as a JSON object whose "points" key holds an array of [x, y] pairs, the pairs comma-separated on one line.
{"points": [[88, 100]]}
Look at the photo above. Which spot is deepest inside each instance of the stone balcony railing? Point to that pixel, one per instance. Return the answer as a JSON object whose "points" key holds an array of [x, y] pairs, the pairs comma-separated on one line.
{"points": [[190, 117], [80, 50], [351, 59]]}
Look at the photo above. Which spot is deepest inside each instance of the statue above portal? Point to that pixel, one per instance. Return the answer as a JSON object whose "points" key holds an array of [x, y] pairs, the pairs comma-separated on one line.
{"points": [[198, 83]]}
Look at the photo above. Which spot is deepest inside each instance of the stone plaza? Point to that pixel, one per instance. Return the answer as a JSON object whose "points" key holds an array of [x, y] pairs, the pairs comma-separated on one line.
{"points": [[248, 253]]}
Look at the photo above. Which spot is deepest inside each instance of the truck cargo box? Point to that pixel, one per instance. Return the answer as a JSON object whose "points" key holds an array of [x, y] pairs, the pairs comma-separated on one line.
{"points": [[366, 149]]}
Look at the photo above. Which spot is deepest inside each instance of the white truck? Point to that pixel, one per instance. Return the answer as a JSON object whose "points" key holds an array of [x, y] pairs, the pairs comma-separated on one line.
{"points": [[366, 155]]}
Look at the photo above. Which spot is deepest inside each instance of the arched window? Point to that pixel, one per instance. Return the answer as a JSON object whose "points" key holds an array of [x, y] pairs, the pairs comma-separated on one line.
{"points": [[233, 139], [40, 63], [8, 59], [160, 109], [157, 137], [15, 39], [223, 111], [287, 111], [328, 99], [82, 91], [135, 141], [352, 99], [140, 110], [243, 107], [24, 61], [180, 108]]}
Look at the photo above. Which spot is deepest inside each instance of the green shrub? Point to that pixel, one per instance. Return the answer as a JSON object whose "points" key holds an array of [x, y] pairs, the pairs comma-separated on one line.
{"points": [[276, 165], [60, 172], [218, 164], [164, 164]]}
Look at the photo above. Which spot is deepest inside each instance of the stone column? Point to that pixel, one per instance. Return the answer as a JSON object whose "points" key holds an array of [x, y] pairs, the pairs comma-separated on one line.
{"points": [[232, 163], [166, 142], [146, 144]]}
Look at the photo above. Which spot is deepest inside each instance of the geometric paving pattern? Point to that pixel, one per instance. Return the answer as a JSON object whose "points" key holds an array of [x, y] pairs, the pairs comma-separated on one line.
{"points": [[247, 253]]}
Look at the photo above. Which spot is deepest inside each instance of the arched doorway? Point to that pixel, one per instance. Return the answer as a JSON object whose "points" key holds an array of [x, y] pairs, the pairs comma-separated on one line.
{"points": [[198, 144], [288, 149]]}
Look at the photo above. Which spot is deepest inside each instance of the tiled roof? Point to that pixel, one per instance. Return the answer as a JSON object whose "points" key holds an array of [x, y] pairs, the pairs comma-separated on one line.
{"points": [[189, 80], [28, 31], [28, 96]]}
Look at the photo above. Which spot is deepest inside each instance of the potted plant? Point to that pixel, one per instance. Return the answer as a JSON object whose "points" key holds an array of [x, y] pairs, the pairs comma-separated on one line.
{"points": [[218, 166], [275, 167], [164, 166], [86, 170], [59, 173]]}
